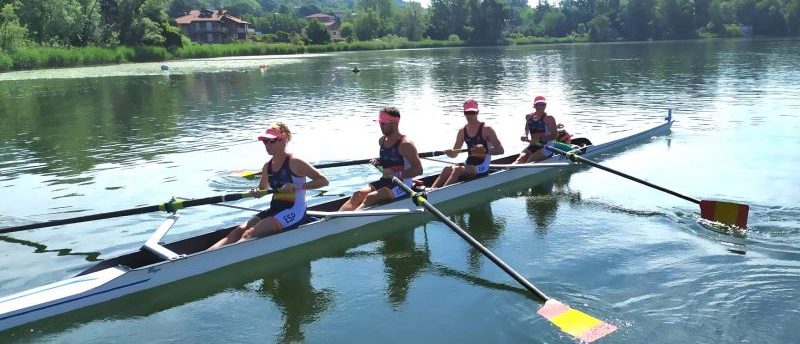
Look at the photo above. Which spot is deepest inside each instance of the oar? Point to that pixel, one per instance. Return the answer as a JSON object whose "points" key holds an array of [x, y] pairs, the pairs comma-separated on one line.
{"points": [[569, 320], [729, 213], [252, 174], [171, 206]]}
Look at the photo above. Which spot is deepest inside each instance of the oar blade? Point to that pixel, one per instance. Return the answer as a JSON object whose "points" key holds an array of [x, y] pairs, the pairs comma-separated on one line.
{"points": [[729, 213], [574, 322], [248, 174]]}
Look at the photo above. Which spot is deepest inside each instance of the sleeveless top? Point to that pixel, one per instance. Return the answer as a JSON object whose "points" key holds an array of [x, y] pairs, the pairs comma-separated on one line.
{"points": [[536, 126], [390, 157], [283, 176], [481, 164]]}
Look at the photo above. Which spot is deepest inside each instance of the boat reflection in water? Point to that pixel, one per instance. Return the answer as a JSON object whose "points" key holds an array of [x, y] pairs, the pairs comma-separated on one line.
{"points": [[299, 302]]}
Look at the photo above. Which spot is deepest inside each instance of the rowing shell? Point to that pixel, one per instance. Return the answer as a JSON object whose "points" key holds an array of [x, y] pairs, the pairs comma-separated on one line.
{"points": [[155, 264]]}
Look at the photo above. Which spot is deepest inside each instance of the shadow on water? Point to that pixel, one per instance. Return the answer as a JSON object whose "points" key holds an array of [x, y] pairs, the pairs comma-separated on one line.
{"points": [[41, 248], [403, 261]]}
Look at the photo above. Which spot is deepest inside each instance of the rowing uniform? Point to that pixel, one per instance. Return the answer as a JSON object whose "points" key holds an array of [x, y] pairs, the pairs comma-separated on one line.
{"points": [[391, 158], [286, 208], [481, 164], [537, 127]]}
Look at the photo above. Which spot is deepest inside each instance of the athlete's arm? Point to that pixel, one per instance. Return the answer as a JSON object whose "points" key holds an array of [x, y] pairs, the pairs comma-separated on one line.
{"points": [[304, 169], [491, 137], [456, 146], [409, 151]]}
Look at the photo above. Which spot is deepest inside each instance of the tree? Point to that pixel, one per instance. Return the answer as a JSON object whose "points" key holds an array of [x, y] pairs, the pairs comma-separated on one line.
{"points": [[52, 21], [307, 10], [600, 29], [489, 21], [637, 19], [273, 23], [181, 7], [244, 7], [368, 25], [554, 24], [12, 34], [413, 21], [385, 10], [317, 33], [347, 30]]}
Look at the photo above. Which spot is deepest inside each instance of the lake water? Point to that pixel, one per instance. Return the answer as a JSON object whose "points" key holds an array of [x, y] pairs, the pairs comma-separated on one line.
{"points": [[87, 140]]}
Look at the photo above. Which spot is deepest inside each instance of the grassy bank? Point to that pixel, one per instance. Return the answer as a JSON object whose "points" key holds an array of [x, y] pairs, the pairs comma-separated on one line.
{"points": [[49, 57]]}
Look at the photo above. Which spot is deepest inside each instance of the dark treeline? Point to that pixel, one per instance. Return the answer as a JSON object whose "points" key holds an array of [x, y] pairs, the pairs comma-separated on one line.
{"points": [[36, 33]]}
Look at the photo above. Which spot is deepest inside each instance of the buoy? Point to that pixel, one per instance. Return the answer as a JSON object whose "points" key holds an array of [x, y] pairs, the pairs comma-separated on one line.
{"points": [[263, 66], [356, 70], [164, 67]]}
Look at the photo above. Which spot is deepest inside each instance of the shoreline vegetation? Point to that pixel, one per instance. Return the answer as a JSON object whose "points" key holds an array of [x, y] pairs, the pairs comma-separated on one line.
{"points": [[36, 34], [30, 58]]}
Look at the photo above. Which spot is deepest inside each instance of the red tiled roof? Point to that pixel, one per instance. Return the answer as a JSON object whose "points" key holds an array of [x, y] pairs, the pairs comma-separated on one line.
{"points": [[194, 16], [321, 16]]}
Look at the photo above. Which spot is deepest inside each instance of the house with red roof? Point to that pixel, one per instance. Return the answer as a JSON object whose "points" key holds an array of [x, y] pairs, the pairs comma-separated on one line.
{"points": [[207, 26], [330, 22]]}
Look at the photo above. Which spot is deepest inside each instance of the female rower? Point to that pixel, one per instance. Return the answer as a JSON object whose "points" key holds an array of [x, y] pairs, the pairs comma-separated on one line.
{"points": [[286, 176], [542, 129]]}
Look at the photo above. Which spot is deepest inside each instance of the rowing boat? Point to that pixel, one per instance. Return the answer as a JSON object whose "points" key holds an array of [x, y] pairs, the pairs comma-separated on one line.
{"points": [[156, 264]]}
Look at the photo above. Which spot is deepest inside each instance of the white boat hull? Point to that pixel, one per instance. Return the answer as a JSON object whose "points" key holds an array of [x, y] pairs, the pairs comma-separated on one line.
{"points": [[116, 281]]}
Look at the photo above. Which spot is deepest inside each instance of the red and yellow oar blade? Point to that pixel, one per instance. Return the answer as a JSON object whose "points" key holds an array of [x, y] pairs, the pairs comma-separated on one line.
{"points": [[574, 322], [729, 213]]}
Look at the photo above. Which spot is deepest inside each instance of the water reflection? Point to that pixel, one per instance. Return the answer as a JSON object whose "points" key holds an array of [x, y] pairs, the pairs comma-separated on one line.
{"points": [[403, 262], [480, 222], [299, 302], [541, 201]]}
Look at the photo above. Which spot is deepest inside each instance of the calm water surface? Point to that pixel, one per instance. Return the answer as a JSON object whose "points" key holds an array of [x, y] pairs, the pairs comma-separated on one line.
{"points": [[86, 140]]}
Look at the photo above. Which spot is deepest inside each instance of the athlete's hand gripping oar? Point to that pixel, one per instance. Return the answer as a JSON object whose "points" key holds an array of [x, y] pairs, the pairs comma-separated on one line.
{"points": [[253, 174], [569, 320], [734, 214], [171, 207]]}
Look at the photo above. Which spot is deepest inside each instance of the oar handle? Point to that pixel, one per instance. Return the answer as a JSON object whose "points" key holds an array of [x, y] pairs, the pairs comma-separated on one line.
{"points": [[577, 158], [171, 206], [420, 200]]}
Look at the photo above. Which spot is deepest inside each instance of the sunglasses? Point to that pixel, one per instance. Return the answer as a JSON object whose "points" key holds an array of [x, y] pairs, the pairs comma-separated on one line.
{"points": [[470, 113], [270, 141], [540, 104]]}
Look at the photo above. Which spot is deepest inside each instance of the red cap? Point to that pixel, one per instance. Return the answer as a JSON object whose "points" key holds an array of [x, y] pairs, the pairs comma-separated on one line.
{"points": [[272, 133], [539, 99], [470, 105]]}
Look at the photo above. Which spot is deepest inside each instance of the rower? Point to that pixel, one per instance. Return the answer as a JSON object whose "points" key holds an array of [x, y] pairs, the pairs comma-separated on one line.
{"points": [[398, 157], [540, 130], [286, 175], [482, 143]]}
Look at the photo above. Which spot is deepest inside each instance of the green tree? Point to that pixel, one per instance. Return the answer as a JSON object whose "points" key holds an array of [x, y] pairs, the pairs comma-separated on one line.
{"points": [[307, 10], [637, 19], [413, 22], [554, 24], [489, 24], [12, 34], [600, 29], [368, 25], [179, 8], [769, 19], [316, 32], [244, 7], [273, 23], [675, 19], [52, 21], [386, 11], [347, 30], [792, 9]]}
